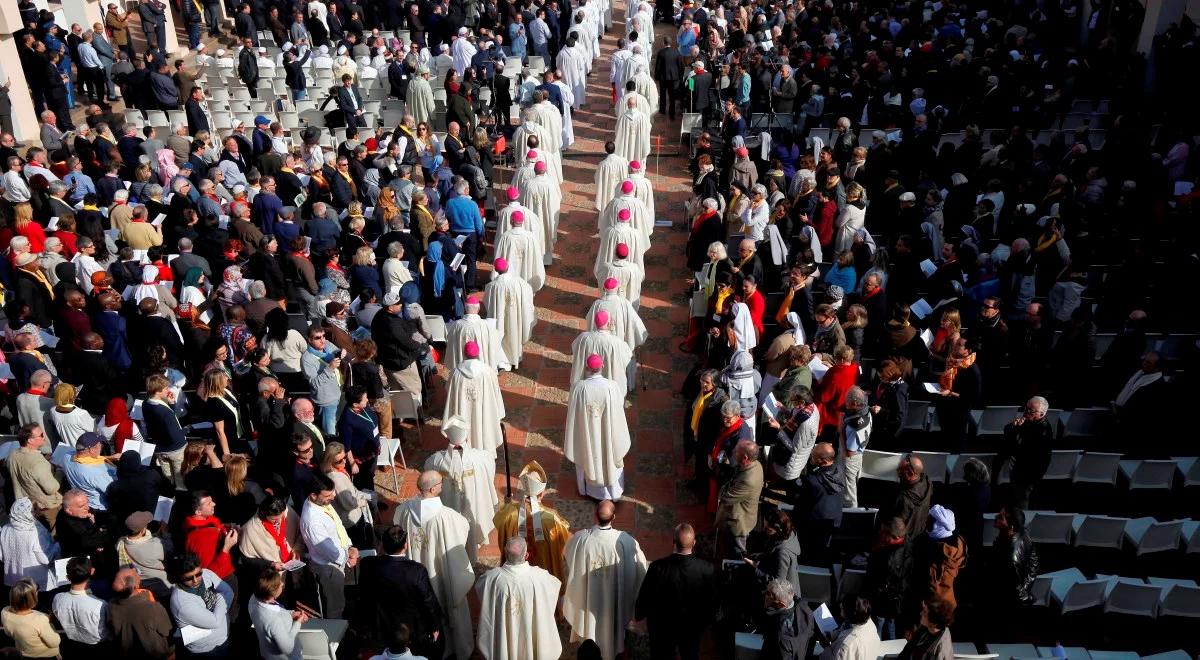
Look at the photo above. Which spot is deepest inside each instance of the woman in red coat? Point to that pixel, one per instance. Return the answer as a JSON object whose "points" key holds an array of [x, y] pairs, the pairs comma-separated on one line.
{"points": [[831, 389]]}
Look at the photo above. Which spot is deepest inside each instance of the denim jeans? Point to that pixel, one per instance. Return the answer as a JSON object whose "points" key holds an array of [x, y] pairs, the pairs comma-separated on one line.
{"points": [[299, 94], [193, 30], [328, 418]]}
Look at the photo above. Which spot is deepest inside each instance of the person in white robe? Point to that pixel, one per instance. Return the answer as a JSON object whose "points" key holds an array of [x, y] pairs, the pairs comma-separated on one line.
{"points": [[473, 327], [509, 300], [621, 232], [533, 135], [574, 66], [533, 223], [419, 99], [605, 570], [523, 252], [642, 189], [544, 197], [612, 350], [463, 50], [524, 172], [437, 539], [623, 318], [616, 67], [473, 393], [517, 605], [633, 133], [626, 200], [585, 22], [469, 485], [568, 98], [442, 63], [644, 85], [628, 276], [630, 92], [549, 117], [609, 175], [637, 63], [597, 434]]}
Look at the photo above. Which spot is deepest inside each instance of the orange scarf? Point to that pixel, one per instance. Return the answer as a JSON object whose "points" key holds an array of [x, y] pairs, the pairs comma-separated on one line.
{"points": [[946, 380]]}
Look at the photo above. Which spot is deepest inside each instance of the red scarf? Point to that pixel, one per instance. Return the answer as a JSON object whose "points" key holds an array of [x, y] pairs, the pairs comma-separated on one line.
{"points": [[713, 487], [700, 220], [280, 538]]}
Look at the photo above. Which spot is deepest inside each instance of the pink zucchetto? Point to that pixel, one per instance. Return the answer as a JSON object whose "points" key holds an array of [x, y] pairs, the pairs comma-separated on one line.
{"points": [[611, 284], [595, 362], [539, 167], [601, 319], [635, 165], [531, 155], [471, 349], [501, 265], [518, 218], [622, 250], [473, 300], [513, 193], [623, 215], [627, 186]]}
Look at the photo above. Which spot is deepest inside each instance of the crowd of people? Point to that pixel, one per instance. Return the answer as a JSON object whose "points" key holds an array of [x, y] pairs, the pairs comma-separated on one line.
{"points": [[211, 338]]}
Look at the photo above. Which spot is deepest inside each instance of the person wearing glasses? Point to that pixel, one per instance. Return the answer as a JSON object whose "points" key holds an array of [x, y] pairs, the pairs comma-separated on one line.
{"points": [[1028, 443], [200, 600], [322, 364]]}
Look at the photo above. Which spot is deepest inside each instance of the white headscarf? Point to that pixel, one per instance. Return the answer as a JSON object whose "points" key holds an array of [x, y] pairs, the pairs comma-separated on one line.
{"points": [[148, 287], [743, 327], [797, 328]]}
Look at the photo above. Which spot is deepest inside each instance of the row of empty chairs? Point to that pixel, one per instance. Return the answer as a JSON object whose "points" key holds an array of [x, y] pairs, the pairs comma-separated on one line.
{"points": [[968, 651], [1069, 590], [1141, 535]]}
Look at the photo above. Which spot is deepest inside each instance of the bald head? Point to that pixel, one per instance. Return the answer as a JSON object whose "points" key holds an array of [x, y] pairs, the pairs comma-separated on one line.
{"points": [[606, 512], [428, 482], [822, 454], [516, 550], [685, 538]]}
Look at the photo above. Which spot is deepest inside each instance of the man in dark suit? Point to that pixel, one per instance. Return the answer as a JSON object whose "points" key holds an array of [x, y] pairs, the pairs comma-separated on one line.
{"points": [[397, 589], [678, 599], [349, 100], [243, 25], [701, 86], [668, 72], [156, 329], [553, 93], [247, 67]]}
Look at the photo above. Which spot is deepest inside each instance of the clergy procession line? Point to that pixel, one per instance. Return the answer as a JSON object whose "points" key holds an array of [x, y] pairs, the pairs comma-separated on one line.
{"points": [[597, 571]]}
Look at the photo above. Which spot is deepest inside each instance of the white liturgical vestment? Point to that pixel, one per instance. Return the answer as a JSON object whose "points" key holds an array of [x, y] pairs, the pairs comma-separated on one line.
{"points": [[597, 437], [474, 394], [516, 614], [605, 569]]}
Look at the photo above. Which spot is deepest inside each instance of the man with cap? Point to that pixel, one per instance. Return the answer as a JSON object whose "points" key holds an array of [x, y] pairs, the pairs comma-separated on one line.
{"points": [[398, 350], [509, 299], [90, 472], [544, 197], [522, 251], [622, 231], [419, 97], [532, 222], [469, 486], [626, 199], [261, 137], [628, 276], [516, 620], [473, 328], [623, 318], [938, 556], [597, 434], [615, 354], [473, 393], [438, 537], [545, 531]]}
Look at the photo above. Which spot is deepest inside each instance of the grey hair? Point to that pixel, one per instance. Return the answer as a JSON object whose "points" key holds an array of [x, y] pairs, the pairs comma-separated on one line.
{"points": [[719, 248], [154, 190], [121, 196], [1042, 404], [179, 183], [41, 375], [57, 188], [731, 408], [395, 249], [781, 590], [710, 203], [266, 385], [258, 290], [856, 397], [515, 550]]}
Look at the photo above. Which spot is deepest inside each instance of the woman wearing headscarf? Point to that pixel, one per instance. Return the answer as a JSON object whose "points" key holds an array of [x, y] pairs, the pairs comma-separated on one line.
{"points": [[117, 426], [232, 291], [26, 547], [194, 306], [411, 310], [851, 218], [439, 284], [777, 355], [938, 556]]}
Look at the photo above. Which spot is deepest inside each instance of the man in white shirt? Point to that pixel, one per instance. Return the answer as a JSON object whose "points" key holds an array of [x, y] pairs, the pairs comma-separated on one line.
{"points": [[329, 549], [84, 617], [37, 165], [16, 190]]}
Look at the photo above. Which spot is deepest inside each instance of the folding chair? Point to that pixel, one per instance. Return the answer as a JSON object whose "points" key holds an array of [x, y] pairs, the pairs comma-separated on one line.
{"points": [[1096, 468], [1062, 465], [816, 584], [1072, 592], [388, 448], [1148, 475], [1099, 531], [1113, 655], [935, 464], [1073, 652], [1131, 596], [319, 638], [958, 461], [407, 405], [994, 419], [1050, 528], [1179, 597], [1191, 537], [1148, 535], [1177, 654], [437, 327], [1010, 651], [880, 465], [917, 418]]}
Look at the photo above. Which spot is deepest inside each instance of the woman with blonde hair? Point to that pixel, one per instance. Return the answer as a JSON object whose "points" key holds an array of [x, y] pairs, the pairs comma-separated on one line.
{"points": [[23, 225], [364, 274], [854, 328], [237, 499], [222, 408], [944, 338], [356, 224], [29, 629], [67, 420], [852, 217], [348, 501]]}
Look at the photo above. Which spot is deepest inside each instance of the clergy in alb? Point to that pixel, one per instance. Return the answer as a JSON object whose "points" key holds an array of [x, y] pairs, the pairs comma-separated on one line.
{"points": [[605, 569], [597, 434], [568, 99], [626, 199], [642, 189], [419, 99], [609, 175], [517, 604], [613, 350], [545, 532], [523, 252], [473, 327], [533, 223], [612, 236], [544, 197], [533, 136], [437, 539], [473, 393], [509, 300], [633, 133], [628, 276], [574, 66], [469, 482], [623, 318]]}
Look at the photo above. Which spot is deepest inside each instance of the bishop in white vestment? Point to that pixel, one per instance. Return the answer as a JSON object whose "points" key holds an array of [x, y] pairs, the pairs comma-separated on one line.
{"points": [[597, 435], [628, 276], [419, 99], [609, 175], [544, 197], [626, 198], [641, 188], [622, 232], [437, 539], [524, 172], [605, 570], [623, 318], [613, 350], [517, 603], [521, 138], [548, 116], [523, 252], [533, 223], [472, 327], [469, 482], [633, 133], [509, 300], [473, 393]]}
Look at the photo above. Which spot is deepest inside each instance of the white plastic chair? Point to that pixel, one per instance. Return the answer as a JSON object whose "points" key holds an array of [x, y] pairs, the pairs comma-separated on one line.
{"points": [[880, 465], [1131, 596], [319, 638], [1113, 655], [995, 418], [1179, 597], [1086, 423], [1099, 531], [1149, 475], [407, 405], [935, 464], [1096, 468], [1073, 652], [1149, 535], [1050, 528], [1177, 654], [1070, 590], [437, 327], [816, 584]]}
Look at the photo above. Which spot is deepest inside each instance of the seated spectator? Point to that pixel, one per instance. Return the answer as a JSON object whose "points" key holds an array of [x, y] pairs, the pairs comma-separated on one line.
{"points": [[29, 629], [90, 472], [141, 626], [201, 599]]}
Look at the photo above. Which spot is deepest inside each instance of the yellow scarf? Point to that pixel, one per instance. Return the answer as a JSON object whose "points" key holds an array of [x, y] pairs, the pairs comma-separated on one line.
{"points": [[698, 410], [88, 460], [721, 296], [343, 538]]}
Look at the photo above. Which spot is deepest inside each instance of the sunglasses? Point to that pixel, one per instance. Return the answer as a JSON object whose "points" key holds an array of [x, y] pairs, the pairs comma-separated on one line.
{"points": [[190, 578]]}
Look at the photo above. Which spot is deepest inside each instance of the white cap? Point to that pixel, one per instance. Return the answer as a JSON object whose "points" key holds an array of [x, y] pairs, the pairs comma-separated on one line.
{"points": [[455, 429]]}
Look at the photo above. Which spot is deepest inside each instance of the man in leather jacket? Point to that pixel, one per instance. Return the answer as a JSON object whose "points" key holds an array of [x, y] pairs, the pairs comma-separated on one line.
{"points": [[1012, 564]]}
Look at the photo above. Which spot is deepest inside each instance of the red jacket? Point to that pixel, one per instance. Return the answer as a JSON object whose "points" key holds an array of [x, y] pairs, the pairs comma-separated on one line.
{"points": [[757, 306], [831, 392], [824, 217], [206, 538]]}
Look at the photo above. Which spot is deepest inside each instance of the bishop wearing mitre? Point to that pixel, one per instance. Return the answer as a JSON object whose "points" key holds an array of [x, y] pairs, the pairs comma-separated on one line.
{"points": [[509, 300], [473, 327], [473, 393], [611, 348], [437, 539], [517, 604], [628, 276], [597, 435], [468, 482], [545, 531], [523, 252], [623, 318], [605, 569], [609, 175], [633, 132]]}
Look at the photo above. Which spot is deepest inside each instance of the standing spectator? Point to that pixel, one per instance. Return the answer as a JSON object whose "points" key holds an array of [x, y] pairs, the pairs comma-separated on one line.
{"points": [[141, 626], [26, 550], [329, 551], [1028, 447], [1012, 565], [210, 540], [84, 617], [789, 626], [678, 599], [932, 641], [399, 593], [889, 569], [737, 513], [200, 599], [88, 471], [912, 497], [855, 434], [278, 629], [938, 556], [322, 365], [819, 501], [31, 474], [856, 638]]}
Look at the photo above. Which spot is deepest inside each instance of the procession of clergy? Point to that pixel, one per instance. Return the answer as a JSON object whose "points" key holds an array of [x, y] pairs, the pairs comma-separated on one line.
{"points": [[597, 571]]}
